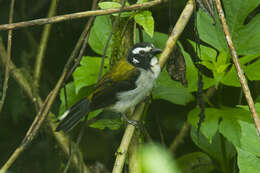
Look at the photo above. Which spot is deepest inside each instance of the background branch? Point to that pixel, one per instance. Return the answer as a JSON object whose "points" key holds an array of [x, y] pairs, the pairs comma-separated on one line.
{"points": [[43, 45], [77, 15], [9, 46], [240, 73]]}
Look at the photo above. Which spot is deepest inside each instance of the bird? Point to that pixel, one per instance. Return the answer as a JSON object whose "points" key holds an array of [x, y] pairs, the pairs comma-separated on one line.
{"points": [[123, 87]]}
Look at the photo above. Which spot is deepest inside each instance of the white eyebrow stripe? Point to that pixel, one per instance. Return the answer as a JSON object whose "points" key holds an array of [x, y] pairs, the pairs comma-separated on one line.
{"points": [[138, 49]]}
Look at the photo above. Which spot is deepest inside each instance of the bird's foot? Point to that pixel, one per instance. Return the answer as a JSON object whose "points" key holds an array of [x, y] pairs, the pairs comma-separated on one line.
{"points": [[132, 122]]}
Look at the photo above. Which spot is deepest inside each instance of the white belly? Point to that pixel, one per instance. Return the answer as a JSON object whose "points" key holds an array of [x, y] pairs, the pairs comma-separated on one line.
{"points": [[144, 84]]}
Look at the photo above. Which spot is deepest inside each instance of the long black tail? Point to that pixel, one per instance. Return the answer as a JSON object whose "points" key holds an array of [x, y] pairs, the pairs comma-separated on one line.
{"points": [[71, 117]]}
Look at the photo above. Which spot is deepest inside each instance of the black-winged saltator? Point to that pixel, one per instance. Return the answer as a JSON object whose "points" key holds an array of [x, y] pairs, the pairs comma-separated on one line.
{"points": [[124, 86]]}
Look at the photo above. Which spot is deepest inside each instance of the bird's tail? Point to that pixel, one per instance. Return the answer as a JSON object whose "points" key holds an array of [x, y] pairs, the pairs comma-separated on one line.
{"points": [[71, 117]]}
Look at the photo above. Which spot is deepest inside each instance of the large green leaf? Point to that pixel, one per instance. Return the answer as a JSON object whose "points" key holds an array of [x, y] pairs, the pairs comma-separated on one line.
{"points": [[252, 70], [87, 73], [159, 39], [209, 33], [210, 125], [229, 125], [170, 90], [249, 140], [99, 34], [214, 149], [246, 37], [247, 162], [145, 19]]}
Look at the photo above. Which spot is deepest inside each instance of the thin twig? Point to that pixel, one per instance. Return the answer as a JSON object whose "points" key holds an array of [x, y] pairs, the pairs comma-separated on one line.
{"points": [[176, 32], [9, 46], [240, 73], [77, 15], [42, 46], [179, 138]]}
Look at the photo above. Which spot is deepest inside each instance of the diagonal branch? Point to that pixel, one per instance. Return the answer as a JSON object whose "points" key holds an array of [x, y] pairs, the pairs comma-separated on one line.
{"points": [[176, 32], [9, 45], [78, 15], [240, 73]]}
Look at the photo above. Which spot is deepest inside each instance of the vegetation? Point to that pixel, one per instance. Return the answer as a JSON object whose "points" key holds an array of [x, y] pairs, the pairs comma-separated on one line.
{"points": [[169, 140]]}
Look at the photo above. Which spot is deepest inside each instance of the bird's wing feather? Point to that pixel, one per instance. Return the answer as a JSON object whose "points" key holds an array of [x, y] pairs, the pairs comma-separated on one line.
{"points": [[121, 77]]}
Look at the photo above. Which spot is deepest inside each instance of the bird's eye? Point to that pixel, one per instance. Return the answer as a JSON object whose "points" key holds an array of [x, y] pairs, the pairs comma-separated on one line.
{"points": [[142, 52]]}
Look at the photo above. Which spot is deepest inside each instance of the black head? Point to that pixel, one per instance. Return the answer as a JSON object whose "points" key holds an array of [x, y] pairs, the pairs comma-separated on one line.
{"points": [[140, 55]]}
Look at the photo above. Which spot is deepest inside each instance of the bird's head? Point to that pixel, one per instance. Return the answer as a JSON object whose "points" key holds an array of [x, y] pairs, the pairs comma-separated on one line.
{"points": [[143, 55]]}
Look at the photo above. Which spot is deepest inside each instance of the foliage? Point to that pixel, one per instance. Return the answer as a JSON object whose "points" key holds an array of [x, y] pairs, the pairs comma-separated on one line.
{"points": [[227, 132], [227, 141]]}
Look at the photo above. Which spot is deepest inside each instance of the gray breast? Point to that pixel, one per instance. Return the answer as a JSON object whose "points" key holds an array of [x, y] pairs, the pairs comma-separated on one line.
{"points": [[144, 84]]}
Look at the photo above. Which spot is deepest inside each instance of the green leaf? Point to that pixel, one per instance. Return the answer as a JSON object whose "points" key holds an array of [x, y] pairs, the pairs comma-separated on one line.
{"points": [[159, 39], [231, 78], [145, 19], [230, 128], [107, 5], [207, 53], [252, 70], [112, 124], [196, 162], [170, 90], [208, 64], [141, 1], [214, 149], [246, 37], [99, 34], [210, 125], [192, 73], [249, 37], [154, 159], [249, 140], [247, 162], [87, 73], [209, 33]]}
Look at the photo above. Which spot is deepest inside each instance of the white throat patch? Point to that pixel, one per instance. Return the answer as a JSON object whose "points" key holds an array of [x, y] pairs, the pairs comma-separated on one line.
{"points": [[138, 49]]}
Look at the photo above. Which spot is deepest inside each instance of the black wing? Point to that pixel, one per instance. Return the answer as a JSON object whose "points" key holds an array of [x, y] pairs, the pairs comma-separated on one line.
{"points": [[105, 93]]}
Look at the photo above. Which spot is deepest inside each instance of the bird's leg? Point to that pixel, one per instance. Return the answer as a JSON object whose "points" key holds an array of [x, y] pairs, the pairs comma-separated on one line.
{"points": [[132, 122]]}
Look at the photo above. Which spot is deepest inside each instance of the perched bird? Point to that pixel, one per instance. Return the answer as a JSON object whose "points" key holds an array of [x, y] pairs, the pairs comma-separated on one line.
{"points": [[124, 86]]}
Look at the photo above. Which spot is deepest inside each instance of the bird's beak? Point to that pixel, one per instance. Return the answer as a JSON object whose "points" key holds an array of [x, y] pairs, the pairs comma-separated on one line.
{"points": [[156, 51]]}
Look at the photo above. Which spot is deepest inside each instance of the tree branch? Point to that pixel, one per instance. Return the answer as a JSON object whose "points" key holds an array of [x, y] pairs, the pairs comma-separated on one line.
{"points": [[240, 73], [77, 15], [123, 148], [42, 46], [9, 46]]}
